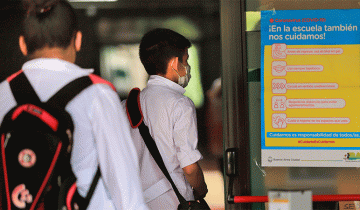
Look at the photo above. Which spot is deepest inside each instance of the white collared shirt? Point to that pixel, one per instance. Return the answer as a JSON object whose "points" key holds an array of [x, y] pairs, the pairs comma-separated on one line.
{"points": [[101, 134], [171, 118]]}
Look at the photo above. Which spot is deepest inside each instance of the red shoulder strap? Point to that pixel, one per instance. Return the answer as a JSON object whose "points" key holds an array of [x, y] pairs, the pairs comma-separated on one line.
{"points": [[14, 75], [133, 108], [96, 79]]}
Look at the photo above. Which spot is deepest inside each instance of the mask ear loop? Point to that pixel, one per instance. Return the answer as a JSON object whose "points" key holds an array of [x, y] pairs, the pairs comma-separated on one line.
{"points": [[174, 69]]}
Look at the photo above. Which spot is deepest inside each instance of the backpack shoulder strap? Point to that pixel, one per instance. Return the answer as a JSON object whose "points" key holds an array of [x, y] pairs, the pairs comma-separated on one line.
{"points": [[22, 89], [69, 91], [97, 79], [133, 108], [24, 93]]}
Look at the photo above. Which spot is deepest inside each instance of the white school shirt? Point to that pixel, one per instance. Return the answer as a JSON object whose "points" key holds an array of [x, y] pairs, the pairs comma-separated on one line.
{"points": [[171, 118], [101, 134]]}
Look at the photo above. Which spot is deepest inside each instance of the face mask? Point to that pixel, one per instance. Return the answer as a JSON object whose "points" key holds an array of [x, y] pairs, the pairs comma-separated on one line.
{"points": [[184, 80]]}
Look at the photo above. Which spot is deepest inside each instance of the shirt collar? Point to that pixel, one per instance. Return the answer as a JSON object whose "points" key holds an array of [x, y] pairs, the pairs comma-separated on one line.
{"points": [[53, 64], [159, 80]]}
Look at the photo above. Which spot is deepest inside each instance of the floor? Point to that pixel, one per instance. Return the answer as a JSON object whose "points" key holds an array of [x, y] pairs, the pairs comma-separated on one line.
{"points": [[215, 183]]}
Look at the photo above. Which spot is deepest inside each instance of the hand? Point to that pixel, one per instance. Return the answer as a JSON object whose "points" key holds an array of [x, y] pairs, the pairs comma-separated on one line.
{"points": [[198, 195]]}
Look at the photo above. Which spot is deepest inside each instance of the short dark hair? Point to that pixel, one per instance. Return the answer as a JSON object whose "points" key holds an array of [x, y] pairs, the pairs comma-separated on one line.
{"points": [[51, 23], [158, 46]]}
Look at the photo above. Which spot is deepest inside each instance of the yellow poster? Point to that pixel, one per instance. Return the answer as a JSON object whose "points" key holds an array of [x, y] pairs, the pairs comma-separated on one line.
{"points": [[310, 88]]}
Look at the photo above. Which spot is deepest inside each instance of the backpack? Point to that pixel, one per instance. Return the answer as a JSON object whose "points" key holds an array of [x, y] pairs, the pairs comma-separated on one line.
{"points": [[36, 140]]}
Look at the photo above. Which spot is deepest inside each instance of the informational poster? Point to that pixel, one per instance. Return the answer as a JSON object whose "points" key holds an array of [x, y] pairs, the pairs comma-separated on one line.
{"points": [[310, 88]]}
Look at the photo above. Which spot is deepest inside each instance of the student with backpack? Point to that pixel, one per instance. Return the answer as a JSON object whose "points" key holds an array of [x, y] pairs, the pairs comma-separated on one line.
{"points": [[100, 137], [165, 126]]}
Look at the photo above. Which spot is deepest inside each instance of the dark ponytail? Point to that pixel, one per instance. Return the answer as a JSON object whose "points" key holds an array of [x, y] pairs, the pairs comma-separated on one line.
{"points": [[38, 7], [50, 23]]}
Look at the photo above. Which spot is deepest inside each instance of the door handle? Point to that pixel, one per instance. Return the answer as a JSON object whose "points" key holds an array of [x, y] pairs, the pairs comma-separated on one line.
{"points": [[231, 171]]}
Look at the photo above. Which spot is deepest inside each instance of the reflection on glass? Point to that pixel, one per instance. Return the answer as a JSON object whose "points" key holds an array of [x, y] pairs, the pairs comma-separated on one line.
{"points": [[121, 65], [194, 89]]}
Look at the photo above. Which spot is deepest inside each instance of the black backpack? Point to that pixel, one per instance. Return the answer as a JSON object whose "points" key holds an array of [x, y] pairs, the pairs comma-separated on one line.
{"points": [[36, 140]]}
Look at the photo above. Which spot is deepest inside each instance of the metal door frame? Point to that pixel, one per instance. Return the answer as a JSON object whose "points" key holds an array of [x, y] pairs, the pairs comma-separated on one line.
{"points": [[235, 94]]}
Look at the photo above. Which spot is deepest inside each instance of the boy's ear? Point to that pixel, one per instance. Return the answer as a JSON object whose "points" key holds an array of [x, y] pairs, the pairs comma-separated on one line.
{"points": [[170, 73], [23, 46], [78, 41], [174, 63]]}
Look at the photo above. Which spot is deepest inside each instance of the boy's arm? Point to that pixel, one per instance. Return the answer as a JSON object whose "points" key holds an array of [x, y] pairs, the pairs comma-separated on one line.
{"points": [[195, 177], [116, 151]]}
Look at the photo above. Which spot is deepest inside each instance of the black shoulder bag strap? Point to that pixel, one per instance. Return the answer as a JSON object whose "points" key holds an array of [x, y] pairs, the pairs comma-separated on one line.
{"points": [[25, 93], [136, 120]]}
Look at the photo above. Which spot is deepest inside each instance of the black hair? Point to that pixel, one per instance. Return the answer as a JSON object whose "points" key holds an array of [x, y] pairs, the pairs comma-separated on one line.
{"points": [[158, 46], [50, 23]]}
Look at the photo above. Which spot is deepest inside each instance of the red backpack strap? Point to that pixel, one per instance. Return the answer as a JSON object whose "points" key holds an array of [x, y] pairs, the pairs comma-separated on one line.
{"points": [[14, 75], [133, 108], [96, 79]]}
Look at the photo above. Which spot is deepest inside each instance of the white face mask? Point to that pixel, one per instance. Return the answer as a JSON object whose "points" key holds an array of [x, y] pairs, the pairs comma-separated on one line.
{"points": [[184, 80]]}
